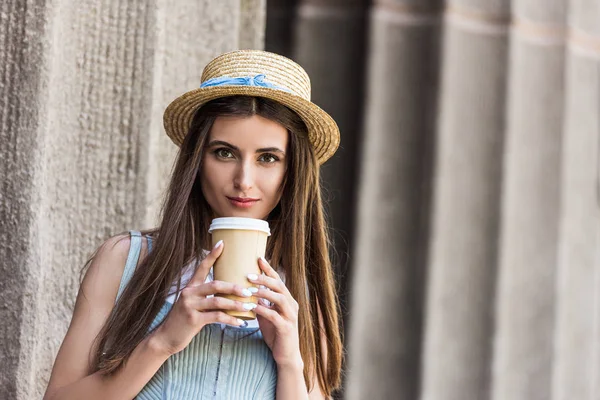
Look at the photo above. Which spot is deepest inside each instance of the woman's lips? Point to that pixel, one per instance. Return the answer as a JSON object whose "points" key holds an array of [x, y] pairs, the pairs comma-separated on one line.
{"points": [[242, 202]]}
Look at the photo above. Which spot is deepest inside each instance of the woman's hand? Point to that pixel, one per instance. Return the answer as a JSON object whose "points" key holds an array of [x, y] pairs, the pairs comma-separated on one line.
{"points": [[193, 310], [278, 321]]}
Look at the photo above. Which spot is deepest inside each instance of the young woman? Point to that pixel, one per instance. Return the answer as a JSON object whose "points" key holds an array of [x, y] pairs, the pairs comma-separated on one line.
{"points": [[146, 322]]}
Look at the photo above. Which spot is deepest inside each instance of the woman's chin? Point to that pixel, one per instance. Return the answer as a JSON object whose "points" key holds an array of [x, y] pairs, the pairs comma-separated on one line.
{"points": [[240, 214]]}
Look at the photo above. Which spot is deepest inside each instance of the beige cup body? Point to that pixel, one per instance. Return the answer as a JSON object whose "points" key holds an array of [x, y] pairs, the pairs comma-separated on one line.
{"points": [[241, 251]]}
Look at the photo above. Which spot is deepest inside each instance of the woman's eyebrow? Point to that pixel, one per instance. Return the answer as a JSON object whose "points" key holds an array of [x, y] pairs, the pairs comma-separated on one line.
{"points": [[222, 143], [270, 150], [263, 150]]}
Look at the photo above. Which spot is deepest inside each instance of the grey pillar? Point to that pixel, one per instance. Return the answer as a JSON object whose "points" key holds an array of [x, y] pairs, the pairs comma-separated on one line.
{"points": [[183, 46], [253, 15], [84, 84], [392, 228], [281, 17], [464, 237], [330, 46], [577, 358], [526, 299], [22, 84], [329, 39]]}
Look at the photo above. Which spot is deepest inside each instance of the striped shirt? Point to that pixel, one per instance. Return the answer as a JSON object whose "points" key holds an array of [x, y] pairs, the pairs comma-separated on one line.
{"points": [[221, 361]]}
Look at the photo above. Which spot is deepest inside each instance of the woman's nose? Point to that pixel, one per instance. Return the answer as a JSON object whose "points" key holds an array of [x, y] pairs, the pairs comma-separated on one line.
{"points": [[244, 179]]}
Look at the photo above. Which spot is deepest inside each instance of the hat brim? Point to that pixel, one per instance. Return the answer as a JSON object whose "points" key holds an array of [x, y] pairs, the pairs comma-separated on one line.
{"points": [[323, 132]]}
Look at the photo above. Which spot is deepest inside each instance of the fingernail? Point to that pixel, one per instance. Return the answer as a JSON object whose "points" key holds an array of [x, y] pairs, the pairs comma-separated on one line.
{"points": [[252, 289], [242, 324], [263, 260], [265, 302], [247, 292], [249, 306], [219, 243], [252, 277]]}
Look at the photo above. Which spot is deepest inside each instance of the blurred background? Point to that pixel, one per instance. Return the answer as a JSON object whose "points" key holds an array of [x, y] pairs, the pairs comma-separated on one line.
{"points": [[463, 198]]}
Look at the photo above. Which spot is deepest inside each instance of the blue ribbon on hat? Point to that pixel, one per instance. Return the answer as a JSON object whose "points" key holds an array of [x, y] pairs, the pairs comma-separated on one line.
{"points": [[258, 80]]}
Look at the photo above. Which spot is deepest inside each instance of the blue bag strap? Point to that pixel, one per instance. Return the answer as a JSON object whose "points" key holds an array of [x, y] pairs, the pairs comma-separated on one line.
{"points": [[132, 260]]}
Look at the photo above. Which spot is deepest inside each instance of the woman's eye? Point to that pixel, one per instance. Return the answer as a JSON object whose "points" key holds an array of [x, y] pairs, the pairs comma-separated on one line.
{"points": [[268, 158], [223, 153]]}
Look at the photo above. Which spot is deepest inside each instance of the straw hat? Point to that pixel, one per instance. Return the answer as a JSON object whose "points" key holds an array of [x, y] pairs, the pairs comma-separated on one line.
{"points": [[262, 74]]}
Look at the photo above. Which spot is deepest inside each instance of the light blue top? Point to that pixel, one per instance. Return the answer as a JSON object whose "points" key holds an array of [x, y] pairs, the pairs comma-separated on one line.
{"points": [[221, 362]]}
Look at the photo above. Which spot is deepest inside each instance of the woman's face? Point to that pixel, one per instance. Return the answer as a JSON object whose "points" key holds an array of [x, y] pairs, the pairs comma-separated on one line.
{"points": [[244, 166]]}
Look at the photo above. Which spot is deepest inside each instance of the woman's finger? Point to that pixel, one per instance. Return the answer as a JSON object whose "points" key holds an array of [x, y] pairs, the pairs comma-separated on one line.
{"points": [[273, 297], [270, 314], [281, 301], [267, 269], [271, 283], [221, 303], [206, 264], [218, 287], [265, 303], [216, 317]]}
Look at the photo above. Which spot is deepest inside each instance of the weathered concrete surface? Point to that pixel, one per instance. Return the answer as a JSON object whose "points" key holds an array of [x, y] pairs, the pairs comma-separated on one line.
{"points": [[464, 237], [577, 339], [328, 34], [526, 298], [394, 203], [183, 46], [84, 156], [22, 43], [484, 284], [280, 26], [252, 29]]}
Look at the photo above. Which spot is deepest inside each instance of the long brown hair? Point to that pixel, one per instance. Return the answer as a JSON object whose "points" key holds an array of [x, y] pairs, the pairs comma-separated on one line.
{"points": [[299, 244]]}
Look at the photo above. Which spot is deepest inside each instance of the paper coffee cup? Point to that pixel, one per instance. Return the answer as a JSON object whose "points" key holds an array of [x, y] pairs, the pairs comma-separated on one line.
{"points": [[245, 240]]}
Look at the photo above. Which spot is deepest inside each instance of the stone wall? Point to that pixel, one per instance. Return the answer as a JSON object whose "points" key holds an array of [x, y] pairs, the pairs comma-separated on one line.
{"points": [[82, 88]]}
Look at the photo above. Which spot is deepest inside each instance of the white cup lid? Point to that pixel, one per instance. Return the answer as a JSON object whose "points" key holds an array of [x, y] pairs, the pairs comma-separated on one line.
{"points": [[250, 224]]}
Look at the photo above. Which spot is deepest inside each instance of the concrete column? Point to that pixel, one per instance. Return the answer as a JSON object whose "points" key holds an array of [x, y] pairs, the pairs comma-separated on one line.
{"points": [[526, 301], [22, 87], [92, 174], [330, 45], [253, 14], [468, 171], [84, 84], [389, 265], [577, 357], [281, 17], [183, 46]]}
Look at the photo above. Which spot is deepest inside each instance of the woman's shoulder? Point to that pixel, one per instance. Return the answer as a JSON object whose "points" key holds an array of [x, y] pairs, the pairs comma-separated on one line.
{"points": [[116, 248], [103, 277]]}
